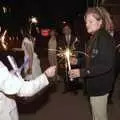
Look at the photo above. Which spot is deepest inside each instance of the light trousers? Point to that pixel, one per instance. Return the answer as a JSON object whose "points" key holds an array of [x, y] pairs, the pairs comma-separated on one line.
{"points": [[99, 107]]}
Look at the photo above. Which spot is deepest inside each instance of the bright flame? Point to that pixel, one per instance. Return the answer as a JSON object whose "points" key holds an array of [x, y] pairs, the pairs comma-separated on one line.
{"points": [[67, 54], [2, 39], [34, 20]]}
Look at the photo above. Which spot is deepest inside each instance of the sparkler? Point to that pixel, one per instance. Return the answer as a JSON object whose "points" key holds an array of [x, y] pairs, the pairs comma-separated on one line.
{"points": [[2, 39], [73, 44], [67, 52], [67, 55]]}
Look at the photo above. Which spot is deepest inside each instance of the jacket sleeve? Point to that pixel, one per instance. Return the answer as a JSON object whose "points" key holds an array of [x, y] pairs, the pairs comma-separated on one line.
{"points": [[11, 84]]}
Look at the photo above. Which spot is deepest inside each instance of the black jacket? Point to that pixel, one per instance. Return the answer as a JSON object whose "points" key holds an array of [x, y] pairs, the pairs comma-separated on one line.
{"points": [[99, 70]]}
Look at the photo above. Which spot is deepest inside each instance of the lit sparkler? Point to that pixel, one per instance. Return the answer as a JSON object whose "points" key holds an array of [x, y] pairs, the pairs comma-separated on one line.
{"points": [[67, 55], [63, 53], [2, 39]]}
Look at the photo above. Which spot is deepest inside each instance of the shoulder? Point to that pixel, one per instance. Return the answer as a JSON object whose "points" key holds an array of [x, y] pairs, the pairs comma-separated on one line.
{"points": [[105, 40], [104, 36], [2, 65]]}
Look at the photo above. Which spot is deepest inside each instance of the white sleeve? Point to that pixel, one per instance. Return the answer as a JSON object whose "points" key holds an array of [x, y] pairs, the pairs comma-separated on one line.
{"points": [[30, 88], [9, 83]]}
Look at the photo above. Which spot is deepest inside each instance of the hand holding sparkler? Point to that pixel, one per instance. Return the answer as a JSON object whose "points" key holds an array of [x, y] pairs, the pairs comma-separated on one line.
{"points": [[68, 53]]}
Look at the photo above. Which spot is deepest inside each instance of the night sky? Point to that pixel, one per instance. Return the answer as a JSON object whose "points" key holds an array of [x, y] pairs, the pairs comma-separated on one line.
{"points": [[49, 7], [45, 10]]}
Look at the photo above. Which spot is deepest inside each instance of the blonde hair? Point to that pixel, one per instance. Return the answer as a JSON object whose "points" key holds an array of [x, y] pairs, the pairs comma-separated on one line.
{"points": [[101, 13]]}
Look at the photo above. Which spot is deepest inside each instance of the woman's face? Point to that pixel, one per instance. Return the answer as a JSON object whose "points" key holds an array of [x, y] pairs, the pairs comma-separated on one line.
{"points": [[92, 24]]}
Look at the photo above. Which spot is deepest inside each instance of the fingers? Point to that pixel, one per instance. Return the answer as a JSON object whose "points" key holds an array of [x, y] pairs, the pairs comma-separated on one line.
{"points": [[50, 72], [74, 73]]}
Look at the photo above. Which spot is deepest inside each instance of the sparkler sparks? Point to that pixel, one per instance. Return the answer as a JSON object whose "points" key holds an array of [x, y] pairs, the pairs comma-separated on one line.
{"points": [[67, 53], [2, 39]]}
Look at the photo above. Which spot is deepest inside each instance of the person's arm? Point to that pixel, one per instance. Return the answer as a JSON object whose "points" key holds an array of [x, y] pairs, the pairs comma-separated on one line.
{"points": [[30, 88], [11, 84]]}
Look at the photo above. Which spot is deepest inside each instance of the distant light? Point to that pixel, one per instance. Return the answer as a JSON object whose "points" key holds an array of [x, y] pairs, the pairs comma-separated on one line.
{"points": [[33, 20], [64, 22], [4, 9]]}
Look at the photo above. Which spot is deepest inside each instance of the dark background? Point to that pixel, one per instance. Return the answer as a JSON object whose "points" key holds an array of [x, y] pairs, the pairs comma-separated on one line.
{"points": [[47, 11]]}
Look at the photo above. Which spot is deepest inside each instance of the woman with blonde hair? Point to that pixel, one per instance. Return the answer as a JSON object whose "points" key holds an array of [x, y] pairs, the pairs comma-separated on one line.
{"points": [[109, 26], [99, 61]]}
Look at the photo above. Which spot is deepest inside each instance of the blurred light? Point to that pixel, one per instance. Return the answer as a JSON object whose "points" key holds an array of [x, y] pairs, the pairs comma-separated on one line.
{"points": [[64, 22], [45, 32], [4, 9], [33, 20]]}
